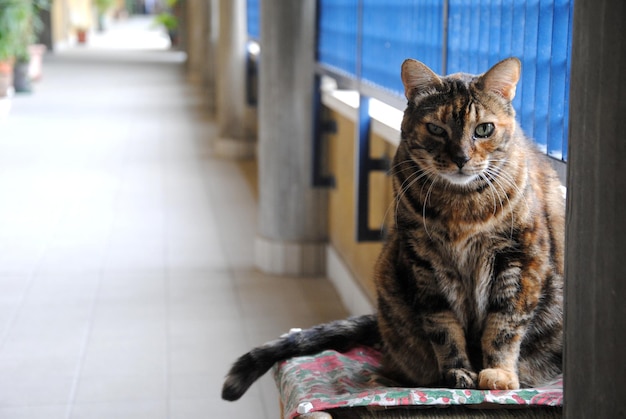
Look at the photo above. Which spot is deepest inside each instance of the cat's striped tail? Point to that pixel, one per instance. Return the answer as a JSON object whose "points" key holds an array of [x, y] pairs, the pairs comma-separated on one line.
{"points": [[339, 335]]}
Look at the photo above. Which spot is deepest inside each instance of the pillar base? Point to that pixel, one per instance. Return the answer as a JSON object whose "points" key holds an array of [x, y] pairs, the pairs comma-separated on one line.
{"points": [[235, 149], [290, 258]]}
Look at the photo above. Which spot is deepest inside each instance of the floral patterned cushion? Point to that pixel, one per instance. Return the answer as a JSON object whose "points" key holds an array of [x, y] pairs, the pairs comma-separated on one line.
{"points": [[331, 380]]}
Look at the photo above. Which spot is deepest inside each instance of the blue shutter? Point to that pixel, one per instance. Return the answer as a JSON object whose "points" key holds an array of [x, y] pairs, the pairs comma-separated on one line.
{"points": [[338, 35], [253, 19], [559, 82], [481, 33], [369, 39], [398, 29]]}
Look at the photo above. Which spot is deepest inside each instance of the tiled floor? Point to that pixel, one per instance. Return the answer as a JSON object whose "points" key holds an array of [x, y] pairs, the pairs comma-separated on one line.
{"points": [[127, 285]]}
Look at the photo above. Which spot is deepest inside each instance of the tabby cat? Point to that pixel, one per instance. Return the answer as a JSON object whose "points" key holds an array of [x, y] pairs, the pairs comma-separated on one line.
{"points": [[470, 279]]}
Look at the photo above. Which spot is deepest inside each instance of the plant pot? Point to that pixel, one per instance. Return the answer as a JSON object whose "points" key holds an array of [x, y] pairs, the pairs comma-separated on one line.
{"points": [[173, 35], [6, 88], [5, 103], [81, 36], [21, 77], [6, 77], [36, 52], [101, 25]]}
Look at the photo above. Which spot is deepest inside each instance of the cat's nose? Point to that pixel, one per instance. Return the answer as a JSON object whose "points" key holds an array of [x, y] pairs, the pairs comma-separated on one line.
{"points": [[460, 160]]}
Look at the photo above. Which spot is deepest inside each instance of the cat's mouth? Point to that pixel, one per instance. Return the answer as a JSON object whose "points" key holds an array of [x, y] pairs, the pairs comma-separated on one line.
{"points": [[459, 177]]}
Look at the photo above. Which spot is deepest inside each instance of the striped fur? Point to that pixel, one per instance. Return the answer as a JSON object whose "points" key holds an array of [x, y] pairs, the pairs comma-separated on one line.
{"points": [[470, 279]]}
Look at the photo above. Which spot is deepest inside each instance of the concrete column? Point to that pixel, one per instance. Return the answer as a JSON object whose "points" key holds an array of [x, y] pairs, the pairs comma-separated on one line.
{"points": [[595, 297], [233, 140], [292, 219], [196, 41]]}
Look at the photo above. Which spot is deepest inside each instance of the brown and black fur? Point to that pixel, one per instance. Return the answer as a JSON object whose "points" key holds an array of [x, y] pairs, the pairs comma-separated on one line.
{"points": [[470, 280]]}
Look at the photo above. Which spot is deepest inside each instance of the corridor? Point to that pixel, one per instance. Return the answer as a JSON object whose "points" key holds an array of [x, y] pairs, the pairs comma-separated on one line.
{"points": [[127, 284]]}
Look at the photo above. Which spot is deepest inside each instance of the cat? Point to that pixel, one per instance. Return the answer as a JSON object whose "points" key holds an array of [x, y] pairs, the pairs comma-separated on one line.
{"points": [[470, 280]]}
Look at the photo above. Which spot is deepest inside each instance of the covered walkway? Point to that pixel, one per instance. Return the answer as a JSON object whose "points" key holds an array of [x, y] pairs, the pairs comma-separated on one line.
{"points": [[126, 248]]}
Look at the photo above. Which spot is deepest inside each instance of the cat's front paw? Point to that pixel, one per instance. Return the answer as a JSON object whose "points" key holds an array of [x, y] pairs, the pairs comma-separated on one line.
{"points": [[460, 378], [497, 379]]}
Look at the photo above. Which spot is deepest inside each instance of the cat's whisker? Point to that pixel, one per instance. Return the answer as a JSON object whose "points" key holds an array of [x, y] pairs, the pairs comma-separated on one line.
{"points": [[511, 182], [391, 172], [403, 190], [396, 201], [497, 179], [493, 193], [424, 185], [430, 189], [511, 212]]}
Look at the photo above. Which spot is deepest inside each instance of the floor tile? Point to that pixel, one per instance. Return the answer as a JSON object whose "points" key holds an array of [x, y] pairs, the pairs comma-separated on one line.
{"points": [[152, 409], [70, 259], [207, 408], [131, 288], [67, 290], [191, 385], [26, 389], [58, 356], [120, 388], [49, 321], [141, 355], [34, 412]]}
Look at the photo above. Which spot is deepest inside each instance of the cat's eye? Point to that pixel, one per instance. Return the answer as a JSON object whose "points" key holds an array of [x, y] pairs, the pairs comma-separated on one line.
{"points": [[484, 130], [435, 129]]}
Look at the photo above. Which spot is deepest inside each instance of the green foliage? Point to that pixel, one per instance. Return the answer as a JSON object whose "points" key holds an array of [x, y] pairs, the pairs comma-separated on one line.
{"points": [[103, 5], [168, 20], [15, 27], [19, 25], [38, 6]]}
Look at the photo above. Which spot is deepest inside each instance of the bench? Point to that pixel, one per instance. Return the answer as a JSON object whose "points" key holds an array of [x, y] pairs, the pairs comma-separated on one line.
{"points": [[333, 385]]}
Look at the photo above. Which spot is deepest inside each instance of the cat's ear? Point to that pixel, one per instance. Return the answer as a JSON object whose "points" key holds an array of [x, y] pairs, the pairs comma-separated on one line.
{"points": [[417, 77], [502, 78]]}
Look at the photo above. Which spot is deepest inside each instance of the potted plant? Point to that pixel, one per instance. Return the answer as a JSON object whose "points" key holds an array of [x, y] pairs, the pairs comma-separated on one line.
{"points": [[36, 53], [81, 34], [21, 74], [26, 37], [14, 15], [102, 7], [6, 77], [36, 50], [168, 20]]}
